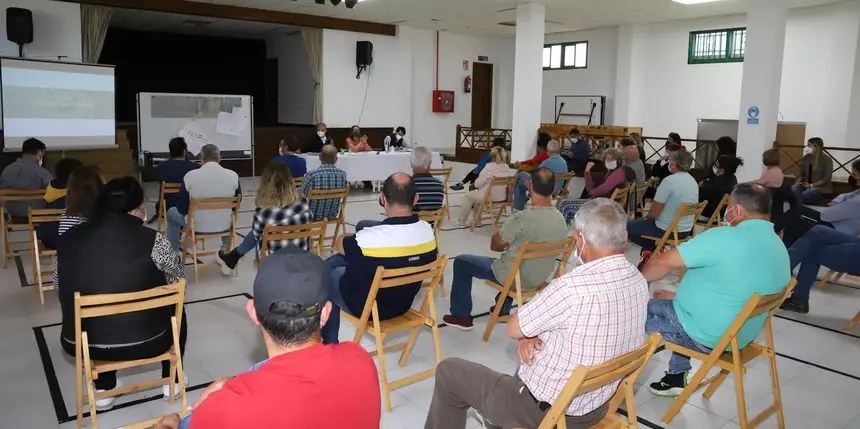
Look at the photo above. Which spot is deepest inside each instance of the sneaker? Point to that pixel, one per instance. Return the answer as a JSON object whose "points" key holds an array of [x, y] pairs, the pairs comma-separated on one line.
{"points": [[461, 323], [669, 385], [165, 389], [457, 187], [796, 306], [228, 261], [106, 404]]}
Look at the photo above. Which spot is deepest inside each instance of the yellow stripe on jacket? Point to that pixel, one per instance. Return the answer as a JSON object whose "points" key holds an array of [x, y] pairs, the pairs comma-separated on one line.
{"points": [[399, 252]]}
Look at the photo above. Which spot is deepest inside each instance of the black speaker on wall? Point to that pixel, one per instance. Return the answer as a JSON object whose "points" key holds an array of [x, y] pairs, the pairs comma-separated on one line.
{"points": [[363, 54], [19, 27]]}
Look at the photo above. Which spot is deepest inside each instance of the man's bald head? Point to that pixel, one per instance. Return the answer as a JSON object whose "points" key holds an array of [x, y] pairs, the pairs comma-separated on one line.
{"points": [[328, 154], [631, 153], [399, 191], [543, 182]]}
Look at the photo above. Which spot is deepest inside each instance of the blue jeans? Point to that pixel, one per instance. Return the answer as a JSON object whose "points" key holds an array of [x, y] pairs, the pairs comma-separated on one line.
{"points": [[186, 422], [366, 224], [175, 222], [662, 319], [521, 191], [822, 246], [806, 196], [248, 244], [336, 265], [466, 268]]}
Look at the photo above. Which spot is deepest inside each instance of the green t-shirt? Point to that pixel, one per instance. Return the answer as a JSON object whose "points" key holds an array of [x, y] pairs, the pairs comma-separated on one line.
{"points": [[674, 190], [726, 266], [534, 224]]}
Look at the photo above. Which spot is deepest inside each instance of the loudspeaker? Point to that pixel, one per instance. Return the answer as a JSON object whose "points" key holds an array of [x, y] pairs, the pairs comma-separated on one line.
{"points": [[19, 25], [363, 54]]}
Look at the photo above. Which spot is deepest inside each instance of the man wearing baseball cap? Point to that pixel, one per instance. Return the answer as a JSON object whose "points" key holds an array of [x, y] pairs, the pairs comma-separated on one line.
{"points": [[303, 384]]}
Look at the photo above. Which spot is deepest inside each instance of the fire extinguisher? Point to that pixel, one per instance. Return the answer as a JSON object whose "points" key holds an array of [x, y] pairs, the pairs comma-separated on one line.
{"points": [[467, 85]]}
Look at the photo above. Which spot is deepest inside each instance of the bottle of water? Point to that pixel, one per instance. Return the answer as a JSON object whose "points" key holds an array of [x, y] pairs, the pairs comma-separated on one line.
{"points": [[387, 143]]}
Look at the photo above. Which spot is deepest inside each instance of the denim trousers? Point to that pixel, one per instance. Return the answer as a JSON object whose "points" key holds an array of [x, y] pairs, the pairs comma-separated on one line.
{"points": [[637, 228], [248, 244], [466, 268], [366, 224], [806, 196], [662, 319], [822, 246], [521, 191], [336, 267]]}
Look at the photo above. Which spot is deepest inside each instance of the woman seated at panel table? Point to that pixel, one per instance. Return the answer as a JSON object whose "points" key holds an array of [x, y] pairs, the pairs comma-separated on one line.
{"points": [[616, 176], [721, 183], [357, 142], [115, 253], [814, 174]]}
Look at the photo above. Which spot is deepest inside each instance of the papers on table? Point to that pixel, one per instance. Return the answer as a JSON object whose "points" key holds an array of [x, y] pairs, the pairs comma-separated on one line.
{"points": [[232, 123]]}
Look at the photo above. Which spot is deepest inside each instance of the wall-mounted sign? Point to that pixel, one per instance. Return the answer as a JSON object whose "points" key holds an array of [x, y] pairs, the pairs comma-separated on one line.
{"points": [[752, 115], [483, 58], [466, 65]]}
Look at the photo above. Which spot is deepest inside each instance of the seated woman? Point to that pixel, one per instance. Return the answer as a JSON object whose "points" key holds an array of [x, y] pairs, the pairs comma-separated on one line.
{"points": [[821, 246], [660, 169], [473, 175], [357, 142], [497, 167], [617, 176], [721, 183], [279, 203], [814, 173], [773, 175], [55, 198], [115, 253], [85, 185]]}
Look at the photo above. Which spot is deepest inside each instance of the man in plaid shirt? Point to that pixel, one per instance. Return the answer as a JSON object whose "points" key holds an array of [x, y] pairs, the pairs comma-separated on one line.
{"points": [[589, 316], [326, 176]]}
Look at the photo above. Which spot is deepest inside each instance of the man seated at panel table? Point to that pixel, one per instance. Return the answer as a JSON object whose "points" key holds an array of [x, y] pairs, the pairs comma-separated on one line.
{"points": [[326, 176], [26, 173], [539, 223], [401, 240], [725, 268], [397, 140], [285, 391], [586, 317], [554, 163], [297, 165], [173, 171]]}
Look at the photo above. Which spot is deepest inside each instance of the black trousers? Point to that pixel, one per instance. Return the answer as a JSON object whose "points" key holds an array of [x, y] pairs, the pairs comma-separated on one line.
{"points": [[470, 178], [796, 222], [107, 380]]}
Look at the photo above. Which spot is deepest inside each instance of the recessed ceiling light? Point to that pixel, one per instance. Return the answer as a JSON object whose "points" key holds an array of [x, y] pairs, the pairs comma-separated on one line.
{"points": [[688, 2]]}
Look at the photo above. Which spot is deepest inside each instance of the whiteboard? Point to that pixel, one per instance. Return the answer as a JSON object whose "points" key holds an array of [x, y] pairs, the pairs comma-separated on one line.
{"points": [[226, 121]]}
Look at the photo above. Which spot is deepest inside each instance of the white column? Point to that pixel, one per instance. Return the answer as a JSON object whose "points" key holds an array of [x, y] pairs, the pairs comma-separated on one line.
{"points": [[854, 105], [761, 83], [528, 79], [623, 76]]}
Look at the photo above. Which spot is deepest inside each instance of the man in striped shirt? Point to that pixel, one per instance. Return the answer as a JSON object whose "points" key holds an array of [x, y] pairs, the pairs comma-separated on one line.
{"points": [[431, 193]]}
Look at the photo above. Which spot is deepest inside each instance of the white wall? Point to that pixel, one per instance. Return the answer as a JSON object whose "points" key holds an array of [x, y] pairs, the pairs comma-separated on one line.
{"points": [[56, 30], [295, 81]]}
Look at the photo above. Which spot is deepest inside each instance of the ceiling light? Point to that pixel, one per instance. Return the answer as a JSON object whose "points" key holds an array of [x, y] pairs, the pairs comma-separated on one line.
{"points": [[689, 2]]}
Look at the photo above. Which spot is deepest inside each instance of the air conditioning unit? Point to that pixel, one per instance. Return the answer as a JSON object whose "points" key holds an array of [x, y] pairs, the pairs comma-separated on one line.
{"points": [[443, 101]]}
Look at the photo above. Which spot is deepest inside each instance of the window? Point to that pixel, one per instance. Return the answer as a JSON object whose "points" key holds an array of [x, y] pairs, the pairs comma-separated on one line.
{"points": [[717, 46], [565, 56]]}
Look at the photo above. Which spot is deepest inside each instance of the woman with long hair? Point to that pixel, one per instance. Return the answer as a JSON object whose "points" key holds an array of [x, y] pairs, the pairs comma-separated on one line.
{"points": [[497, 167], [278, 203], [83, 188], [721, 183], [814, 174]]}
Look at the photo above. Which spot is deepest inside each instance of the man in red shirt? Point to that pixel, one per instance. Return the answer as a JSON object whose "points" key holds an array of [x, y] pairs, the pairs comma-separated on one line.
{"points": [[303, 384]]}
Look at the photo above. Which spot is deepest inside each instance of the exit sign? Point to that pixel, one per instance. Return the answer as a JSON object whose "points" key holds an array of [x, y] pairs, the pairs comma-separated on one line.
{"points": [[483, 58]]}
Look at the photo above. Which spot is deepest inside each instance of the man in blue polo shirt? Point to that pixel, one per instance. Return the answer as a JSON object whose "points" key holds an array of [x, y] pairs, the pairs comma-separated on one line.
{"points": [[726, 266], [297, 165], [174, 170], [402, 240]]}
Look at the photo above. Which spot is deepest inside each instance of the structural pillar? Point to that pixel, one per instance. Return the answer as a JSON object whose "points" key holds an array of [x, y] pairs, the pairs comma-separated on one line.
{"points": [[854, 105], [762, 77], [528, 79], [623, 75]]}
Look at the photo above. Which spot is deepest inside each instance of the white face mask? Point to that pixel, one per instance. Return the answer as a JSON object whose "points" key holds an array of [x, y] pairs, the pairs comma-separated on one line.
{"points": [[320, 134], [399, 137], [807, 150], [611, 165], [726, 221], [577, 254], [716, 171], [281, 151]]}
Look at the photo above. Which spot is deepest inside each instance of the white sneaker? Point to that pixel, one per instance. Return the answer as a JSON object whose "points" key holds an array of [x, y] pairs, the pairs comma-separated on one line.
{"points": [[165, 390], [105, 404]]}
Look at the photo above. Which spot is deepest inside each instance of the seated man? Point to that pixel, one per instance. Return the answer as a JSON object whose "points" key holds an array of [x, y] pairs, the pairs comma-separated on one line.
{"points": [[297, 165], [578, 150], [841, 214], [397, 140], [26, 173], [590, 315], [402, 240], [540, 223], [326, 176], [211, 180], [289, 306], [554, 162], [173, 171], [631, 159], [726, 266], [678, 188], [821, 246]]}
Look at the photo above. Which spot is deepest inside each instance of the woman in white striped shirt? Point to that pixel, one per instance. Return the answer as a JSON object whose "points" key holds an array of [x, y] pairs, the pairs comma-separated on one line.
{"points": [[84, 186]]}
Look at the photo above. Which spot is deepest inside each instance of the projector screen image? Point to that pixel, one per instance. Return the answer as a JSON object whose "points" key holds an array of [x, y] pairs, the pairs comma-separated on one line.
{"points": [[67, 106]]}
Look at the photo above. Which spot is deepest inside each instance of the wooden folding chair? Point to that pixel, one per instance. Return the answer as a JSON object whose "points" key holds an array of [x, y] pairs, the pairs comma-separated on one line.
{"points": [[853, 322], [7, 225], [734, 361], [319, 194], [564, 192], [716, 217], [167, 188], [493, 209], [640, 191], [672, 236], [192, 236], [620, 195], [297, 181], [513, 286], [445, 174], [36, 218], [625, 368], [429, 275], [313, 232], [88, 370], [434, 218], [146, 424]]}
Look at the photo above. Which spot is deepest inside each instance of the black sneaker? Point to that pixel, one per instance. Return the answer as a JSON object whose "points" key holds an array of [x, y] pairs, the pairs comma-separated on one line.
{"points": [[228, 259], [796, 306], [669, 385], [457, 187]]}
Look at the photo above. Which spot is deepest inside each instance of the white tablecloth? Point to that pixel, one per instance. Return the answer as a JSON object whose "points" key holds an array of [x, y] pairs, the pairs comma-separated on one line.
{"points": [[371, 165]]}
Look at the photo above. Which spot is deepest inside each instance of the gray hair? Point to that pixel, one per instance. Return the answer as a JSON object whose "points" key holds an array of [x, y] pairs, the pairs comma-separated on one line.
{"points": [[613, 152], [602, 224], [210, 152], [553, 146], [421, 157], [754, 198], [682, 158]]}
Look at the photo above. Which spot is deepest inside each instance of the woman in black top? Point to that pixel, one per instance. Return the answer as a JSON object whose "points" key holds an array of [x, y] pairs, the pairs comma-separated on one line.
{"points": [[721, 183], [115, 253]]}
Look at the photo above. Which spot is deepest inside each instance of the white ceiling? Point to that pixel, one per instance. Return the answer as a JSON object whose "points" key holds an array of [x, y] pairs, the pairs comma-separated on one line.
{"points": [[482, 17], [186, 24]]}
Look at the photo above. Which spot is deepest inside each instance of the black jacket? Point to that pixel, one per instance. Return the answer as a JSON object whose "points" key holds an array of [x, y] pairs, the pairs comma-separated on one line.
{"points": [[315, 144], [713, 189]]}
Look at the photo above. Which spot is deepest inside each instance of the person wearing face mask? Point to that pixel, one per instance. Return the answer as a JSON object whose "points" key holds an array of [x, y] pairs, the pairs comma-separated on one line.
{"points": [[26, 173], [578, 149], [298, 166], [319, 139], [814, 174], [115, 253], [356, 142], [660, 168], [725, 268], [397, 140], [616, 176], [714, 188]]}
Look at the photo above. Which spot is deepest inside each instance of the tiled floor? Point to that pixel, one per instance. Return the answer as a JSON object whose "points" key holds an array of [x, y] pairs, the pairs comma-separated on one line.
{"points": [[819, 363]]}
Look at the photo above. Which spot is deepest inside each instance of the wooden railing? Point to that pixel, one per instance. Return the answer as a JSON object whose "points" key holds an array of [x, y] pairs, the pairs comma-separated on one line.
{"points": [[481, 138], [842, 158], [704, 151]]}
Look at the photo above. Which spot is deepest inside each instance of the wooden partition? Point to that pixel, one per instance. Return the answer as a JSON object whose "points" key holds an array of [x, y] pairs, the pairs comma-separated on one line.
{"points": [[596, 132]]}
